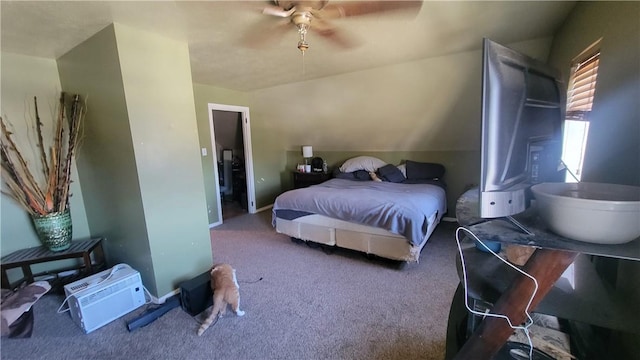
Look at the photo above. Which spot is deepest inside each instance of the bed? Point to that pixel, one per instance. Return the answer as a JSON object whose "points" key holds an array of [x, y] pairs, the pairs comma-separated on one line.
{"points": [[383, 213]]}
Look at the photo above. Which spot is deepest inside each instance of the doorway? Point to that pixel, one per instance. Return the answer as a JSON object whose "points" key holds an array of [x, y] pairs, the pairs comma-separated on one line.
{"points": [[232, 161]]}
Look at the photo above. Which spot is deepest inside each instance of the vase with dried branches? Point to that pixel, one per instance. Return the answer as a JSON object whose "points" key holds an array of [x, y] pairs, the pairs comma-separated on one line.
{"points": [[46, 197]]}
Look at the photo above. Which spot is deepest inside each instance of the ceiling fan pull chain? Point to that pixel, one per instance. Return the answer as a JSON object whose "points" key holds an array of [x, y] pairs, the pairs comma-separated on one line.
{"points": [[302, 44]]}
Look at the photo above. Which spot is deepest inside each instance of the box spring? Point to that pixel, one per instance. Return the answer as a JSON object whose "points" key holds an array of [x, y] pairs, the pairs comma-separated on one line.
{"points": [[367, 239]]}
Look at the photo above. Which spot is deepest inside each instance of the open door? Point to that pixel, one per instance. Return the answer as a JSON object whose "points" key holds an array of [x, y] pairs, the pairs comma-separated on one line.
{"points": [[238, 163]]}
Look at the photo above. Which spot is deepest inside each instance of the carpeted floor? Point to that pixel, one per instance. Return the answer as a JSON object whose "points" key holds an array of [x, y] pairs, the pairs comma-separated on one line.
{"points": [[300, 303]]}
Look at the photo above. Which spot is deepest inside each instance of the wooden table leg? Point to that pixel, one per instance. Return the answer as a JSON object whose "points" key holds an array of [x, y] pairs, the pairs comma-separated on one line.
{"points": [[5, 280], [98, 256], [86, 257], [546, 266], [28, 275]]}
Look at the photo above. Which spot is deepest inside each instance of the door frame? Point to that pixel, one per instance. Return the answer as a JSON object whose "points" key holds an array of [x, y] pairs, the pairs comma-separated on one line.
{"points": [[248, 156]]}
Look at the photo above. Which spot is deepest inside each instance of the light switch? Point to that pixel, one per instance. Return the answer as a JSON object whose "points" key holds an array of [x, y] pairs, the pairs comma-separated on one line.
{"points": [[204, 151]]}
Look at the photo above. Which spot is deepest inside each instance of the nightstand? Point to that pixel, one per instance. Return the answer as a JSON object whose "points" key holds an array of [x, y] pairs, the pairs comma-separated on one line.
{"points": [[302, 180]]}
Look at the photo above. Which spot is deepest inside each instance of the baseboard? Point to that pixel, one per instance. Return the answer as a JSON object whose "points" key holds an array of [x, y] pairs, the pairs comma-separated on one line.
{"points": [[264, 208], [164, 298]]}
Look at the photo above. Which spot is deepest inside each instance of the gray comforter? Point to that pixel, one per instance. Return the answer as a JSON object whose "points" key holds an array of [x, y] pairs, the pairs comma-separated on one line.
{"points": [[402, 209]]}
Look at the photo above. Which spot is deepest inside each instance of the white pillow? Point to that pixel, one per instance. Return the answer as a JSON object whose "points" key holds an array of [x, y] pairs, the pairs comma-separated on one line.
{"points": [[367, 163], [403, 169]]}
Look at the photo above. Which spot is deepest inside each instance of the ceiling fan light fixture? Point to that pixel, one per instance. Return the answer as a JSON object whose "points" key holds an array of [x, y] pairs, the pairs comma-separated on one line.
{"points": [[302, 29], [302, 19]]}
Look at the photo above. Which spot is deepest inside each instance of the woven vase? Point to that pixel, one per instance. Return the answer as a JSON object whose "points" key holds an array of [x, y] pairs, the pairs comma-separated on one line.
{"points": [[54, 230]]}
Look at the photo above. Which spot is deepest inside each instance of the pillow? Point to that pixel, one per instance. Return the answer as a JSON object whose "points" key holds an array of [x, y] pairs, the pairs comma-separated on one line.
{"points": [[362, 175], [403, 169], [420, 170], [340, 175], [390, 173], [359, 175], [367, 163]]}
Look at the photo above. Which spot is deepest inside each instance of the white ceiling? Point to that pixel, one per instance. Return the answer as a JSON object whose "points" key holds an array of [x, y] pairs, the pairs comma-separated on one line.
{"points": [[217, 34]]}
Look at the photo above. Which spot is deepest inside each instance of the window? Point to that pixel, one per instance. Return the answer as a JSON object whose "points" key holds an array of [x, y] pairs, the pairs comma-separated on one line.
{"points": [[580, 93]]}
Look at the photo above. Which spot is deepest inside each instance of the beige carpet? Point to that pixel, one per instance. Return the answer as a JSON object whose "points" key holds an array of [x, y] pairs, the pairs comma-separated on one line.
{"points": [[300, 303]]}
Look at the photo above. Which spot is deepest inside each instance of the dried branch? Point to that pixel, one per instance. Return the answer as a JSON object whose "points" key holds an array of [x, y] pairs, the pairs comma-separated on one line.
{"points": [[20, 173], [16, 182], [77, 111], [10, 147], [43, 156], [50, 197], [54, 186], [19, 178]]}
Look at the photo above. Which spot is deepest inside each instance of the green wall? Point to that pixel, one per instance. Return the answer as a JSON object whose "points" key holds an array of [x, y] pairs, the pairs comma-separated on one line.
{"points": [[24, 77], [427, 109], [616, 109], [156, 74], [613, 144], [107, 164], [144, 179]]}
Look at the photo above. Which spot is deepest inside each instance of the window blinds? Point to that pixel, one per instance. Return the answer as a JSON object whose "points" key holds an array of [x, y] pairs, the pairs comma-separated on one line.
{"points": [[582, 88]]}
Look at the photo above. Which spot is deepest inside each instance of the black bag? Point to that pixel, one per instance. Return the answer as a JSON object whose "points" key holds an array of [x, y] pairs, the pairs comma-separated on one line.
{"points": [[317, 164]]}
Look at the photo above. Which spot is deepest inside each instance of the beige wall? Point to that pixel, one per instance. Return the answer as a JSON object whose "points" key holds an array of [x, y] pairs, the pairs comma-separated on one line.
{"points": [[24, 77]]}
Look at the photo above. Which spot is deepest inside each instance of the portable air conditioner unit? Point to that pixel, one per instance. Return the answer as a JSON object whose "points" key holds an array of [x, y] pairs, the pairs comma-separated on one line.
{"points": [[101, 298]]}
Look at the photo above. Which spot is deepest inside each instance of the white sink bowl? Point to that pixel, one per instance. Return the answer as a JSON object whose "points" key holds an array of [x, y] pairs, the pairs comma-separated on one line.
{"points": [[592, 212]]}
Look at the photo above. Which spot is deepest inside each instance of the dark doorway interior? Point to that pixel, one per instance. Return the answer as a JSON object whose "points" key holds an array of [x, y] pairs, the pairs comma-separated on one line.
{"points": [[229, 142]]}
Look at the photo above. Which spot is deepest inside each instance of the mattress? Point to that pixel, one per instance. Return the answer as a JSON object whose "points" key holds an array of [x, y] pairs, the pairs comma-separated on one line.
{"points": [[404, 209], [391, 220]]}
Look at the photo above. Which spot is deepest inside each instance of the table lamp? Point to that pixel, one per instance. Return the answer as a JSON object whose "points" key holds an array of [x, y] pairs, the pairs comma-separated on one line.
{"points": [[307, 153]]}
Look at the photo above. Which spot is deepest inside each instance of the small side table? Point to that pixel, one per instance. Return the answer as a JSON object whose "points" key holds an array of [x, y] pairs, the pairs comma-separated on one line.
{"points": [[24, 258], [302, 180]]}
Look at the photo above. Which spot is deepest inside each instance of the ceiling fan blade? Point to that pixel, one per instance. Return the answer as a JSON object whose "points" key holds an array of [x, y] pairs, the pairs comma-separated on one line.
{"points": [[278, 11], [346, 9], [332, 34], [265, 33]]}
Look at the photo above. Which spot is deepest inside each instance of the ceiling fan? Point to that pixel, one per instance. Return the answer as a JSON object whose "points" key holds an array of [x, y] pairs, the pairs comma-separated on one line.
{"points": [[316, 16]]}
